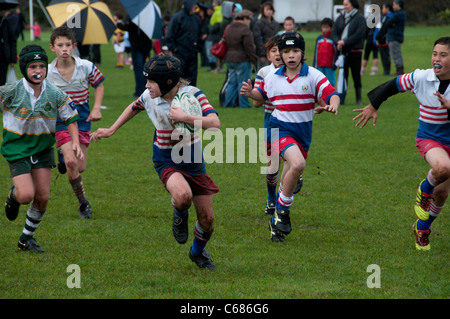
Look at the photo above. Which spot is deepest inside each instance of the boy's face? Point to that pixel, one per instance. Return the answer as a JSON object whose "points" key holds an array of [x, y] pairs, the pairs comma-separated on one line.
{"points": [[440, 60], [63, 47], [384, 10], [292, 57], [288, 26], [153, 89], [274, 57], [326, 29], [37, 71]]}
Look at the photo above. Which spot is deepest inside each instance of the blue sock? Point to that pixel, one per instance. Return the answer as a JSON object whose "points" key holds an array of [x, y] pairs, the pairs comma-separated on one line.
{"points": [[183, 214], [197, 246], [426, 187], [271, 192], [425, 224]]}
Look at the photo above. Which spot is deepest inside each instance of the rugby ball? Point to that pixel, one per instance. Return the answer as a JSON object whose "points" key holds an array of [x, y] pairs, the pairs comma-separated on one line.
{"points": [[190, 105]]}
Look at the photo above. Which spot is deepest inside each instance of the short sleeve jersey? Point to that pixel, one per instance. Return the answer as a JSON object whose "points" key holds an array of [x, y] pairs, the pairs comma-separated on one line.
{"points": [[434, 123], [84, 74], [295, 100], [29, 124], [166, 152]]}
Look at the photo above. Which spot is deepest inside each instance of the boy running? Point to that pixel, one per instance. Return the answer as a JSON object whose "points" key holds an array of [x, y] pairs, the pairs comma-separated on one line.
{"points": [[432, 90], [74, 75], [273, 56], [302, 87], [30, 108], [186, 181]]}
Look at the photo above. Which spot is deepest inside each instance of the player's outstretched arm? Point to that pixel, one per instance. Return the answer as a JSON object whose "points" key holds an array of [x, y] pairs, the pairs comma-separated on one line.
{"points": [[248, 91], [365, 114], [126, 115], [332, 107]]}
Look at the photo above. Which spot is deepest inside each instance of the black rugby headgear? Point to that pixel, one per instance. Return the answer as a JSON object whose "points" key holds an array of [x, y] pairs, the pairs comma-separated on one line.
{"points": [[291, 40], [29, 54], [164, 70]]}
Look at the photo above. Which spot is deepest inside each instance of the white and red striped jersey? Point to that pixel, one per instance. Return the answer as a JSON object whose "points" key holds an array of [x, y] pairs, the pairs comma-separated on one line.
{"points": [[295, 101], [158, 111], [434, 123], [84, 74]]}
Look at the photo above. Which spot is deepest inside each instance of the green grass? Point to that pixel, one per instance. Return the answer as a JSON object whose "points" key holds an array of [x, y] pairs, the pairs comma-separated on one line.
{"points": [[355, 209]]}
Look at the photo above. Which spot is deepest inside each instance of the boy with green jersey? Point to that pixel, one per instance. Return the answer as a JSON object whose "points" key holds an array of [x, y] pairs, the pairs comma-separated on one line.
{"points": [[30, 108]]}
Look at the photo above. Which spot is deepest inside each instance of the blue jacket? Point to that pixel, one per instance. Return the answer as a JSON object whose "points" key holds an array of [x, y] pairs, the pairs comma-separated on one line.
{"points": [[396, 26], [184, 32]]}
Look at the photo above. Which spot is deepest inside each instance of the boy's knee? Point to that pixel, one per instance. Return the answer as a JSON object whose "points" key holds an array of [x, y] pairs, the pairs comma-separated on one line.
{"points": [[71, 163], [183, 200], [442, 171], [298, 167]]}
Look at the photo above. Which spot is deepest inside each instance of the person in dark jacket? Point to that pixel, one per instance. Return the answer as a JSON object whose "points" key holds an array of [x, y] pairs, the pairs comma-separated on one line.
{"points": [[265, 28], [395, 35], [183, 39], [239, 58], [8, 48], [141, 46], [381, 38], [348, 34]]}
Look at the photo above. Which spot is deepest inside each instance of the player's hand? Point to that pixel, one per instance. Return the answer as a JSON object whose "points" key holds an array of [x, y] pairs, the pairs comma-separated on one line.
{"points": [[176, 114], [445, 104], [94, 116], [100, 133], [77, 151], [246, 89], [366, 113], [326, 108]]}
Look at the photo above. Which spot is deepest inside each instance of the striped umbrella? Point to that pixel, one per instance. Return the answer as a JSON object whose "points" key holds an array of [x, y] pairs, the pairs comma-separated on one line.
{"points": [[8, 4], [146, 15], [91, 20]]}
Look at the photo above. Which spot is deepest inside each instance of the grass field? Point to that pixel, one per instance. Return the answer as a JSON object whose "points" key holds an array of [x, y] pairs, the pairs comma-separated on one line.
{"points": [[355, 210]]}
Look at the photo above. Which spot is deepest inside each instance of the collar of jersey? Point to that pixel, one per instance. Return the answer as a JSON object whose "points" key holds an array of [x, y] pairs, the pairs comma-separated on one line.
{"points": [[303, 70]]}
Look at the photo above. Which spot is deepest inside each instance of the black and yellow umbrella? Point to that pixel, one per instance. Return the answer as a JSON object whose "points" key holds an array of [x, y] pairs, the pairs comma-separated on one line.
{"points": [[91, 20]]}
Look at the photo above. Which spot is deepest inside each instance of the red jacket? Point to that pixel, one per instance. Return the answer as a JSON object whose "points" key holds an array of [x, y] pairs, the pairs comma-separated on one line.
{"points": [[325, 52]]}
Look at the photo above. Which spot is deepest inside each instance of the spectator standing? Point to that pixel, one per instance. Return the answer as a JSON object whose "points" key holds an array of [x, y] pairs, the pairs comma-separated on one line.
{"points": [[381, 39], [183, 39], [36, 29], [8, 48], [141, 46], [370, 47], [265, 28], [239, 58], [228, 13], [214, 34], [119, 42], [288, 25], [21, 23], [348, 35], [325, 52], [204, 14], [395, 35]]}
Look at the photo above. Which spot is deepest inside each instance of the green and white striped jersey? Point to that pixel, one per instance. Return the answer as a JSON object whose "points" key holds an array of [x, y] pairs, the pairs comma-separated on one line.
{"points": [[29, 124]]}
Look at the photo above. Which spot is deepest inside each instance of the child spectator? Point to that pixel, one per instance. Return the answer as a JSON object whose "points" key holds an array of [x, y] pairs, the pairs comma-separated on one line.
{"points": [[325, 52], [119, 42], [36, 29], [288, 25]]}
